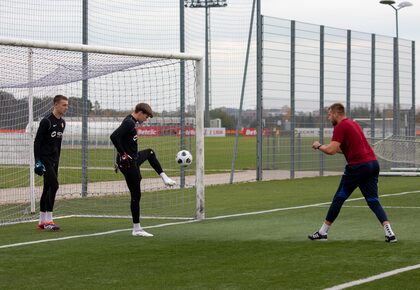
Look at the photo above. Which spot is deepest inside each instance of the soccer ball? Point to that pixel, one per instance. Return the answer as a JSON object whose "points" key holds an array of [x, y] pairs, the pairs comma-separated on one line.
{"points": [[183, 158]]}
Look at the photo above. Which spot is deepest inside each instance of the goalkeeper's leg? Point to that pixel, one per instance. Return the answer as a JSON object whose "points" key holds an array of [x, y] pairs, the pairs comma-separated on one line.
{"points": [[133, 178], [150, 156], [48, 198]]}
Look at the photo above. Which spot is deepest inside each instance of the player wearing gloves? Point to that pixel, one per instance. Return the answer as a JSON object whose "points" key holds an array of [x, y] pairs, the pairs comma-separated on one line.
{"points": [[47, 148], [129, 160]]}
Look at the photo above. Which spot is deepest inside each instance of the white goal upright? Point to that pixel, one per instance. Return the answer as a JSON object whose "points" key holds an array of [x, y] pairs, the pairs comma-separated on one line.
{"points": [[103, 85]]}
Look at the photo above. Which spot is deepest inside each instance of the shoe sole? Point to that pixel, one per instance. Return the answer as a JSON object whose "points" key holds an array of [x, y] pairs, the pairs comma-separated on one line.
{"points": [[142, 235], [49, 230]]}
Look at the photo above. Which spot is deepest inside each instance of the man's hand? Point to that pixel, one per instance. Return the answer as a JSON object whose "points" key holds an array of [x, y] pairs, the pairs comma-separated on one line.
{"points": [[126, 161], [39, 168], [316, 145]]}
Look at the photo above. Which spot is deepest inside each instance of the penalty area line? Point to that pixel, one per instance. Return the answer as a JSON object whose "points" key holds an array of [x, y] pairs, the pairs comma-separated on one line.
{"points": [[373, 278]]}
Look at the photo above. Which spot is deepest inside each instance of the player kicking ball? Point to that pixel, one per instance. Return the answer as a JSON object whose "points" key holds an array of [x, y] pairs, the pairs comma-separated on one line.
{"points": [[362, 171], [129, 160]]}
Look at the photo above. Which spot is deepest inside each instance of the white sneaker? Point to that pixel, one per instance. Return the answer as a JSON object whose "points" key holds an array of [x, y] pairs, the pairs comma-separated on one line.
{"points": [[169, 182], [141, 233]]}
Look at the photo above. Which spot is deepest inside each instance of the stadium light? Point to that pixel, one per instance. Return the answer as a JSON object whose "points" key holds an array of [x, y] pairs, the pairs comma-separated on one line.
{"points": [[400, 6], [207, 4], [396, 79]]}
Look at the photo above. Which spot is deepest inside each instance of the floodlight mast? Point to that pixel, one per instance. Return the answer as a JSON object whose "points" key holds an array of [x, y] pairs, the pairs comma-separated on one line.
{"points": [[396, 78], [400, 6], [207, 4]]}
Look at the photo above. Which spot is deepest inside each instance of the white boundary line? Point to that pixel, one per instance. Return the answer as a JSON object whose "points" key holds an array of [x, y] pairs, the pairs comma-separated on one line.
{"points": [[193, 221], [385, 207], [373, 278], [90, 235]]}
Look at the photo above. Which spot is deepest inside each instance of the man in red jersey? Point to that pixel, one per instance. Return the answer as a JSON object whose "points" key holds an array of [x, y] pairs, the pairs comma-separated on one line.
{"points": [[362, 170]]}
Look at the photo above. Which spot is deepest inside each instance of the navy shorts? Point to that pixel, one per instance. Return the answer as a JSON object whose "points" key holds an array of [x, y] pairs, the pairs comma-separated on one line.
{"points": [[363, 175]]}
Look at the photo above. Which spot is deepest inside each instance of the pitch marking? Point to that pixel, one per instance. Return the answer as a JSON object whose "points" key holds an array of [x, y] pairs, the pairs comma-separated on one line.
{"points": [[191, 221], [375, 277]]}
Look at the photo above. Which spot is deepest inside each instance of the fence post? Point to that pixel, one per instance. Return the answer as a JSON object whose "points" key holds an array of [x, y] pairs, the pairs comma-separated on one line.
{"points": [[321, 95], [372, 88], [292, 96]]}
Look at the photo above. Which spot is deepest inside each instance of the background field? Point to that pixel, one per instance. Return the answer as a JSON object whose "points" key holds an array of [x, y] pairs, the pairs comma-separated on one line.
{"points": [[248, 251], [219, 154]]}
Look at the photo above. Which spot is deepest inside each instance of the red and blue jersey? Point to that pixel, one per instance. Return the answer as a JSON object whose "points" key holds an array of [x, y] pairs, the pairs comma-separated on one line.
{"points": [[353, 142]]}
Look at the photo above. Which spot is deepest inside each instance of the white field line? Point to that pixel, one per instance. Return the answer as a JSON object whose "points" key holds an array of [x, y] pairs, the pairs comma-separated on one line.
{"points": [[91, 235], [373, 278], [191, 221], [385, 207]]}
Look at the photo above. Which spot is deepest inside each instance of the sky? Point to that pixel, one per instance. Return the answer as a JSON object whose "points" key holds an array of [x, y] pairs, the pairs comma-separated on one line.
{"points": [[358, 15], [368, 16]]}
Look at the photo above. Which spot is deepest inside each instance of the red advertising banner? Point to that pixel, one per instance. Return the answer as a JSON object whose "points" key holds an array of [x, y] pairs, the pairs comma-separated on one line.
{"points": [[149, 131], [189, 131], [252, 132]]}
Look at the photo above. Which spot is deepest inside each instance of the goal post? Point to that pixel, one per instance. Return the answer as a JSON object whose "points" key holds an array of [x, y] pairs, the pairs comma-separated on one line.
{"points": [[32, 72]]}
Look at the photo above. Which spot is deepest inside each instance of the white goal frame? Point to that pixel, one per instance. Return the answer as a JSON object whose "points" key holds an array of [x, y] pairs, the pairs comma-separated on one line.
{"points": [[199, 88]]}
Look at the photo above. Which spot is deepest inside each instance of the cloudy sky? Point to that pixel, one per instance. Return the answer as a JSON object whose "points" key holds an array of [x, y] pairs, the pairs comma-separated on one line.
{"points": [[59, 20], [359, 15]]}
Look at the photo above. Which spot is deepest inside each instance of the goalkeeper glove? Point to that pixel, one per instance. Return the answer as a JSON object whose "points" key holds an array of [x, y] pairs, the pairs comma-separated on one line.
{"points": [[126, 161], [39, 168]]}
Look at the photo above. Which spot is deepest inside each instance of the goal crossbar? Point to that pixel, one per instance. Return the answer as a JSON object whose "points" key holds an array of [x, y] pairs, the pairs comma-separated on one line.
{"points": [[158, 55], [98, 49]]}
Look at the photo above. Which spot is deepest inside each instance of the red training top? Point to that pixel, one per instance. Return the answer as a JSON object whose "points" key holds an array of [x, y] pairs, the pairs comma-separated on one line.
{"points": [[353, 142]]}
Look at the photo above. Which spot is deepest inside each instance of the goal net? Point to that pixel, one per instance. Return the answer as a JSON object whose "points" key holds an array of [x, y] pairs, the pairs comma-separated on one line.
{"points": [[103, 85], [400, 151]]}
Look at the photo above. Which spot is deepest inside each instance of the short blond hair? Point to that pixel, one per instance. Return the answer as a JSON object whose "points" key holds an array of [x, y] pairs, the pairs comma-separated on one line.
{"points": [[337, 108]]}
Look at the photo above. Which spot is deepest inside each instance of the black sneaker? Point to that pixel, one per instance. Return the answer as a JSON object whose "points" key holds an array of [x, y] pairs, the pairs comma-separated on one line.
{"points": [[390, 239], [318, 237]]}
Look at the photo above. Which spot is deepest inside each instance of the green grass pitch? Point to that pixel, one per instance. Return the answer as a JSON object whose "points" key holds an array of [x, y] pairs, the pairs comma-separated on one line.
{"points": [[247, 251], [218, 158]]}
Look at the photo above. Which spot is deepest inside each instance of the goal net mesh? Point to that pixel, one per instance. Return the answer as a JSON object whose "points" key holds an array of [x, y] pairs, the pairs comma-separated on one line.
{"points": [[114, 84], [399, 150]]}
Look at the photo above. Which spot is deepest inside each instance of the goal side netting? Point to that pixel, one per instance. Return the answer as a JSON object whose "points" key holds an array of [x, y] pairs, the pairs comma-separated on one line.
{"points": [[401, 152], [103, 85]]}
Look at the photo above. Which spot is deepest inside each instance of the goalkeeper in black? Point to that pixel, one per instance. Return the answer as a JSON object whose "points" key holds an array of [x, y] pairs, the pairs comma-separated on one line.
{"points": [[129, 160], [47, 148]]}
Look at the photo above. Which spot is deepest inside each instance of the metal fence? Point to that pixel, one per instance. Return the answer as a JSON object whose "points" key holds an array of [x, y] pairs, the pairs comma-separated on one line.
{"points": [[294, 71], [308, 67]]}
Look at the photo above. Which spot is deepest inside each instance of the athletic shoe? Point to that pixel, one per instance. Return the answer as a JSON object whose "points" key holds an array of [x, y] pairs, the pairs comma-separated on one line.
{"points": [[318, 237], [50, 226], [390, 239], [169, 182], [141, 233]]}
